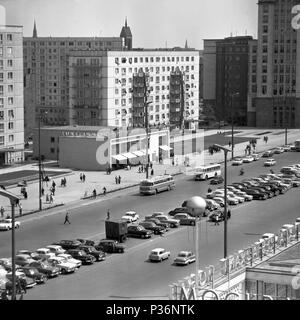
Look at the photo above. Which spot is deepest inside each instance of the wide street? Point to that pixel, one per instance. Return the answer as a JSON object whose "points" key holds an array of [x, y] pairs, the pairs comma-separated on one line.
{"points": [[129, 275]]}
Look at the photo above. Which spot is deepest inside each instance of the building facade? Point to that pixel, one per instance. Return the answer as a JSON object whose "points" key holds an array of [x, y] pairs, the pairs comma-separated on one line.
{"points": [[278, 66], [117, 96], [46, 84], [11, 95]]}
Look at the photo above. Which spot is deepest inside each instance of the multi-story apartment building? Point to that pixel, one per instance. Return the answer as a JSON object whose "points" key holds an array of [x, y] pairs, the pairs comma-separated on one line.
{"points": [[226, 73], [11, 95], [114, 71], [46, 74], [278, 66]]}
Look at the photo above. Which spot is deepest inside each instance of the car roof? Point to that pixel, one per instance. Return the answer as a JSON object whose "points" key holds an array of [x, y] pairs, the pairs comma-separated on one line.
{"points": [[184, 252], [22, 255]]}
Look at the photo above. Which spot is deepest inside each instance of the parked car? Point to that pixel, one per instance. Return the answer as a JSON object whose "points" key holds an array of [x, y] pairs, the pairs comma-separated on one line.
{"points": [[184, 258], [255, 156], [63, 264], [82, 256], [174, 223], [217, 180], [294, 183], [148, 225], [248, 159], [45, 268], [33, 273], [185, 219], [23, 259], [98, 254], [220, 201], [278, 150], [212, 205], [20, 276], [130, 217], [6, 263], [269, 236], [267, 154], [159, 255], [44, 254], [219, 214], [31, 254], [56, 249], [137, 231], [77, 263], [68, 244], [87, 242], [110, 246], [6, 224], [246, 196], [157, 222], [177, 210], [255, 194], [270, 163], [237, 162]]}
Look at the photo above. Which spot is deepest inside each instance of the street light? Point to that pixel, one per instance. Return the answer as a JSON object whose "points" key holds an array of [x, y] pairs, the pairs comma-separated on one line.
{"points": [[197, 205], [40, 166], [232, 139], [226, 150], [14, 200]]}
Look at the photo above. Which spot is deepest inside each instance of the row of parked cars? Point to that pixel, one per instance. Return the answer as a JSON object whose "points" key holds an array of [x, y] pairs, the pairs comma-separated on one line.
{"points": [[63, 257]]}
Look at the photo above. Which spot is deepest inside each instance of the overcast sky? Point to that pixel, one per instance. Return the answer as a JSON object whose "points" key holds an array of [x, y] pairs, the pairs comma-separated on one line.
{"points": [[152, 22]]}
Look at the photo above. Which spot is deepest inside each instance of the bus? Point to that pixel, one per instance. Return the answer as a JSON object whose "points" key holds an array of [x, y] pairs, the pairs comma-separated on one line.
{"points": [[207, 172], [297, 145], [157, 184]]}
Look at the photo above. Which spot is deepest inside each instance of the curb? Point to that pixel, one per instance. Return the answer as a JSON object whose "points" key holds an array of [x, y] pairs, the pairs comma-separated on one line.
{"points": [[36, 211]]}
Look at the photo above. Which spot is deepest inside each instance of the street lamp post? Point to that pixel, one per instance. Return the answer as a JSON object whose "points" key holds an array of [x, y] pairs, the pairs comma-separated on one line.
{"points": [[14, 200], [232, 135], [146, 103], [40, 165], [226, 150]]}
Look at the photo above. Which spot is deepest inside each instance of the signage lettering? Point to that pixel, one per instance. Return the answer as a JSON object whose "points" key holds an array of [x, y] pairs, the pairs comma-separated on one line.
{"points": [[296, 18]]}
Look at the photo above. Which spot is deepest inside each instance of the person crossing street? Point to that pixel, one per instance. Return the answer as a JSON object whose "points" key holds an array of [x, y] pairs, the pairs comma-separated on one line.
{"points": [[67, 218]]}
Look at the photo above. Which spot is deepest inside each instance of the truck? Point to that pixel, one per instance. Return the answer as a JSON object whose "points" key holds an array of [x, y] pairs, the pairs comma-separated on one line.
{"points": [[116, 230]]}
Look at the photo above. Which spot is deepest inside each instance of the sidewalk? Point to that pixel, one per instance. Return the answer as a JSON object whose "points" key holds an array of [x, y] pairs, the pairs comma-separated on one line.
{"points": [[76, 190]]}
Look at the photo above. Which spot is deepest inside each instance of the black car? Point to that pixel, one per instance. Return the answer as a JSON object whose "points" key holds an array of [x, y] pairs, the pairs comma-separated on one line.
{"points": [[99, 255], [157, 222], [148, 225], [45, 268], [255, 193], [272, 187], [282, 189], [217, 180], [82, 256], [179, 210], [68, 244], [138, 232], [269, 194], [34, 274], [110, 246], [87, 242]]}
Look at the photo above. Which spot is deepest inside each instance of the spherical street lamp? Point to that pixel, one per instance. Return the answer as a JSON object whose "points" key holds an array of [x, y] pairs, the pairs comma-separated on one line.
{"points": [[197, 206]]}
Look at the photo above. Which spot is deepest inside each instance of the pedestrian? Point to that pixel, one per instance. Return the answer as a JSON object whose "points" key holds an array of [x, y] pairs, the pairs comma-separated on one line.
{"points": [[53, 184], [116, 179], [94, 193], [173, 163], [119, 180], [67, 218], [43, 191], [152, 172], [209, 190], [47, 198], [25, 195], [20, 209], [104, 191], [108, 215], [2, 212], [228, 214], [80, 177], [51, 198], [65, 182], [151, 165], [23, 284], [83, 177], [217, 220], [62, 182]]}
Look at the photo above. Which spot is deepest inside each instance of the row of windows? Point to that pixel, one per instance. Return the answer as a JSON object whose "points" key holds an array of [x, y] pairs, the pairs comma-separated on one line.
{"points": [[10, 89], [10, 139], [10, 100], [9, 63], [152, 59], [9, 76], [151, 69], [70, 43], [9, 51], [9, 37]]}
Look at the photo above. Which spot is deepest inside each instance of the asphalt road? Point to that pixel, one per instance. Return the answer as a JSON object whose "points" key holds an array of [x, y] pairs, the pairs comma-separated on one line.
{"points": [[130, 275]]}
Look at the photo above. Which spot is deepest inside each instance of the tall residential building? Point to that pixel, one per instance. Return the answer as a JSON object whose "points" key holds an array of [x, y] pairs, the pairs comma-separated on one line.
{"points": [[278, 66], [11, 95], [226, 73], [101, 85], [46, 84]]}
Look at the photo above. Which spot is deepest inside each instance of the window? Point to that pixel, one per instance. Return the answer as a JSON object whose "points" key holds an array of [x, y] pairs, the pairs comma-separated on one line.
{"points": [[1, 90], [1, 115], [1, 127], [9, 63], [1, 51], [1, 64], [52, 150], [11, 113], [10, 88], [9, 37], [1, 77], [10, 101], [10, 125], [1, 141], [1, 102], [116, 101], [52, 139], [9, 50]]}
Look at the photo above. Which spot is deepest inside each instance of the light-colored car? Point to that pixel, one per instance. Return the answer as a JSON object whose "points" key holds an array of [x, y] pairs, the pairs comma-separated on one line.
{"points": [[220, 201], [287, 148], [294, 183], [269, 236], [270, 163], [184, 258], [70, 259], [213, 204], [233, 195], [44, 253], [185, 219], [56, 249], [237, 162], [155, 214], [23, 259], [6, 224], [231, 198], [232, 189], [243, 194], [130, 216], [159, 254], [278, 150], [248, 159], [255, 156], [258, 179], [174, 223], [63, 264]]}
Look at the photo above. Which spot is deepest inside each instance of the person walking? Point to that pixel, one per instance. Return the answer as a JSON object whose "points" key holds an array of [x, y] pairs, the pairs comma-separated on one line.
{"points": [[104, 191], [152, 172], [229, 214], [20, 209], [53, 184], [94, 193], [67, 218], [119, 180], [80, 177], [83, 177], [2, 212], [217, 220], [25, 195], [43, 191], [108, 215], [116, 179], [47, 198], [51, 199]]}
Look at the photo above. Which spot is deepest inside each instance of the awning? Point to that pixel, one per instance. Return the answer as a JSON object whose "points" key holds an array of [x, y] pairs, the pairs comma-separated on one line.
{"points": [[138, 153], [119, 157], [129, 155], [165, 148]]}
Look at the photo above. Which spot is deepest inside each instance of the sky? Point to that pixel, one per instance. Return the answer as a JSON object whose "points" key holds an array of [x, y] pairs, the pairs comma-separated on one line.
{"points": [[153, 23]]}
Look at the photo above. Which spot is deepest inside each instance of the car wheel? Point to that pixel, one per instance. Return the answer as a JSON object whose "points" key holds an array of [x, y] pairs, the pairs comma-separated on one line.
{"points": [[120, 250], [193, 223], [63, 271]]}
